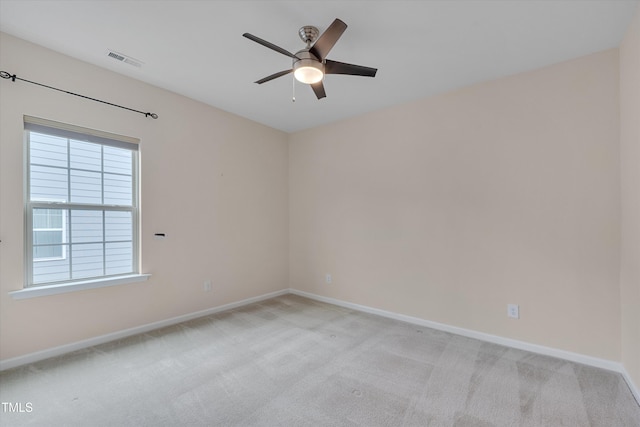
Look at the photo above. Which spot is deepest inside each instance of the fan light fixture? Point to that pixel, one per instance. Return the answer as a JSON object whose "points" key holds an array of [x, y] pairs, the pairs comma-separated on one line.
{"points": [[308, 70]]}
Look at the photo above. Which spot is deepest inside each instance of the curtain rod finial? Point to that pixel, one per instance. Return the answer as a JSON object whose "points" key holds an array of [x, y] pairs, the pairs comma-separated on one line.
{"points": [[6, 75]]}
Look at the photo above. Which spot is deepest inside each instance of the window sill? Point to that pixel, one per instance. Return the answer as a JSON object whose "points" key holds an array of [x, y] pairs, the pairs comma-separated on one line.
{"points": [[40, 291]]}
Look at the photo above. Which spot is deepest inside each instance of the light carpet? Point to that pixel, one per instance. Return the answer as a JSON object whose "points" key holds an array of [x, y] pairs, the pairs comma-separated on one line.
{"points": [[291, 361]]}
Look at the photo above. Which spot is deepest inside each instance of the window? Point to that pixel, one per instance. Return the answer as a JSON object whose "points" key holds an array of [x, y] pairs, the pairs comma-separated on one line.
{"points": [[81, 204]]}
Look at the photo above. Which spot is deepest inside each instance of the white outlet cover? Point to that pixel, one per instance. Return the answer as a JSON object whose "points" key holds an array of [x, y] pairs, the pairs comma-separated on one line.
{"points": [[328, 279], [513, 311]]}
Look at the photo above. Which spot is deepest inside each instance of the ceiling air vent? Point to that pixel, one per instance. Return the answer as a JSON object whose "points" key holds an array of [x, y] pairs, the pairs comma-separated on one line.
{"points": [[124, 58]]}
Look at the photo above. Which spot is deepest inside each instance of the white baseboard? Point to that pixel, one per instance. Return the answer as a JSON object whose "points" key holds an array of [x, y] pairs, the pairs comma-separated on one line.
{"points": [[508, 342], [79, 345], [521, 345], [634, 389]]}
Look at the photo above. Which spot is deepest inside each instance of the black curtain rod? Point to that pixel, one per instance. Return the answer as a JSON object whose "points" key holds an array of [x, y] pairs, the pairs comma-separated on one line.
{"points": [[13, 77]]}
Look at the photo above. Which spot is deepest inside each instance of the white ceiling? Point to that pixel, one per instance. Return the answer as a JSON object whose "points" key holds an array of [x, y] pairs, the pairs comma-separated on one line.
{"points": [[420, 48]]}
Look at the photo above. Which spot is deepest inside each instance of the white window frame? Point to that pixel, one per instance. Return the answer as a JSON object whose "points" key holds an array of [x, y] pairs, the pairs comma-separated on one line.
{"points": [[88, 135]]}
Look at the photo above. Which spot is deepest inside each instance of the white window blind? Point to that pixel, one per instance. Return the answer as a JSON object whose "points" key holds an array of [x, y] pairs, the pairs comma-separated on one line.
{"points": [[81, 204]]}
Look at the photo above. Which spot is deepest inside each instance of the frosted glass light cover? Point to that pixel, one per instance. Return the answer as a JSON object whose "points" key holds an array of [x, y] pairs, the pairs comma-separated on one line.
{"points": [[308, 75]]}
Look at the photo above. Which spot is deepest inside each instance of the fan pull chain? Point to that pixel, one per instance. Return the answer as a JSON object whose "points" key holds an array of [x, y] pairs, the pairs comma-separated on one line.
{"points": [[293, 89]]}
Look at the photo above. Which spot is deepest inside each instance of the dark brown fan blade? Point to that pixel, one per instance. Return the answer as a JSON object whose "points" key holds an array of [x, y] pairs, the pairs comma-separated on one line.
{"points": [[269, 45], [335, 67], [325, 42], [274, 76], [318, 89]]}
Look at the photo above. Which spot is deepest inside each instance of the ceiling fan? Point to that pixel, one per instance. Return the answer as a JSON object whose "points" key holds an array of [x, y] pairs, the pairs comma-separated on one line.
{"points": [[311, 64]]}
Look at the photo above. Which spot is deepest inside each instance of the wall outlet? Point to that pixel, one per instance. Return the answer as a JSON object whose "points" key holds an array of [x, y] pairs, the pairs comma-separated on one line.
{"points": [[513, 310], [328, 278], [207, 286]]}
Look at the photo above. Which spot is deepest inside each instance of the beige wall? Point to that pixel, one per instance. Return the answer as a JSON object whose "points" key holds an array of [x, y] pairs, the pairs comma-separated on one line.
{"points": [[630, 168], [214, 182], [451, 207]]}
